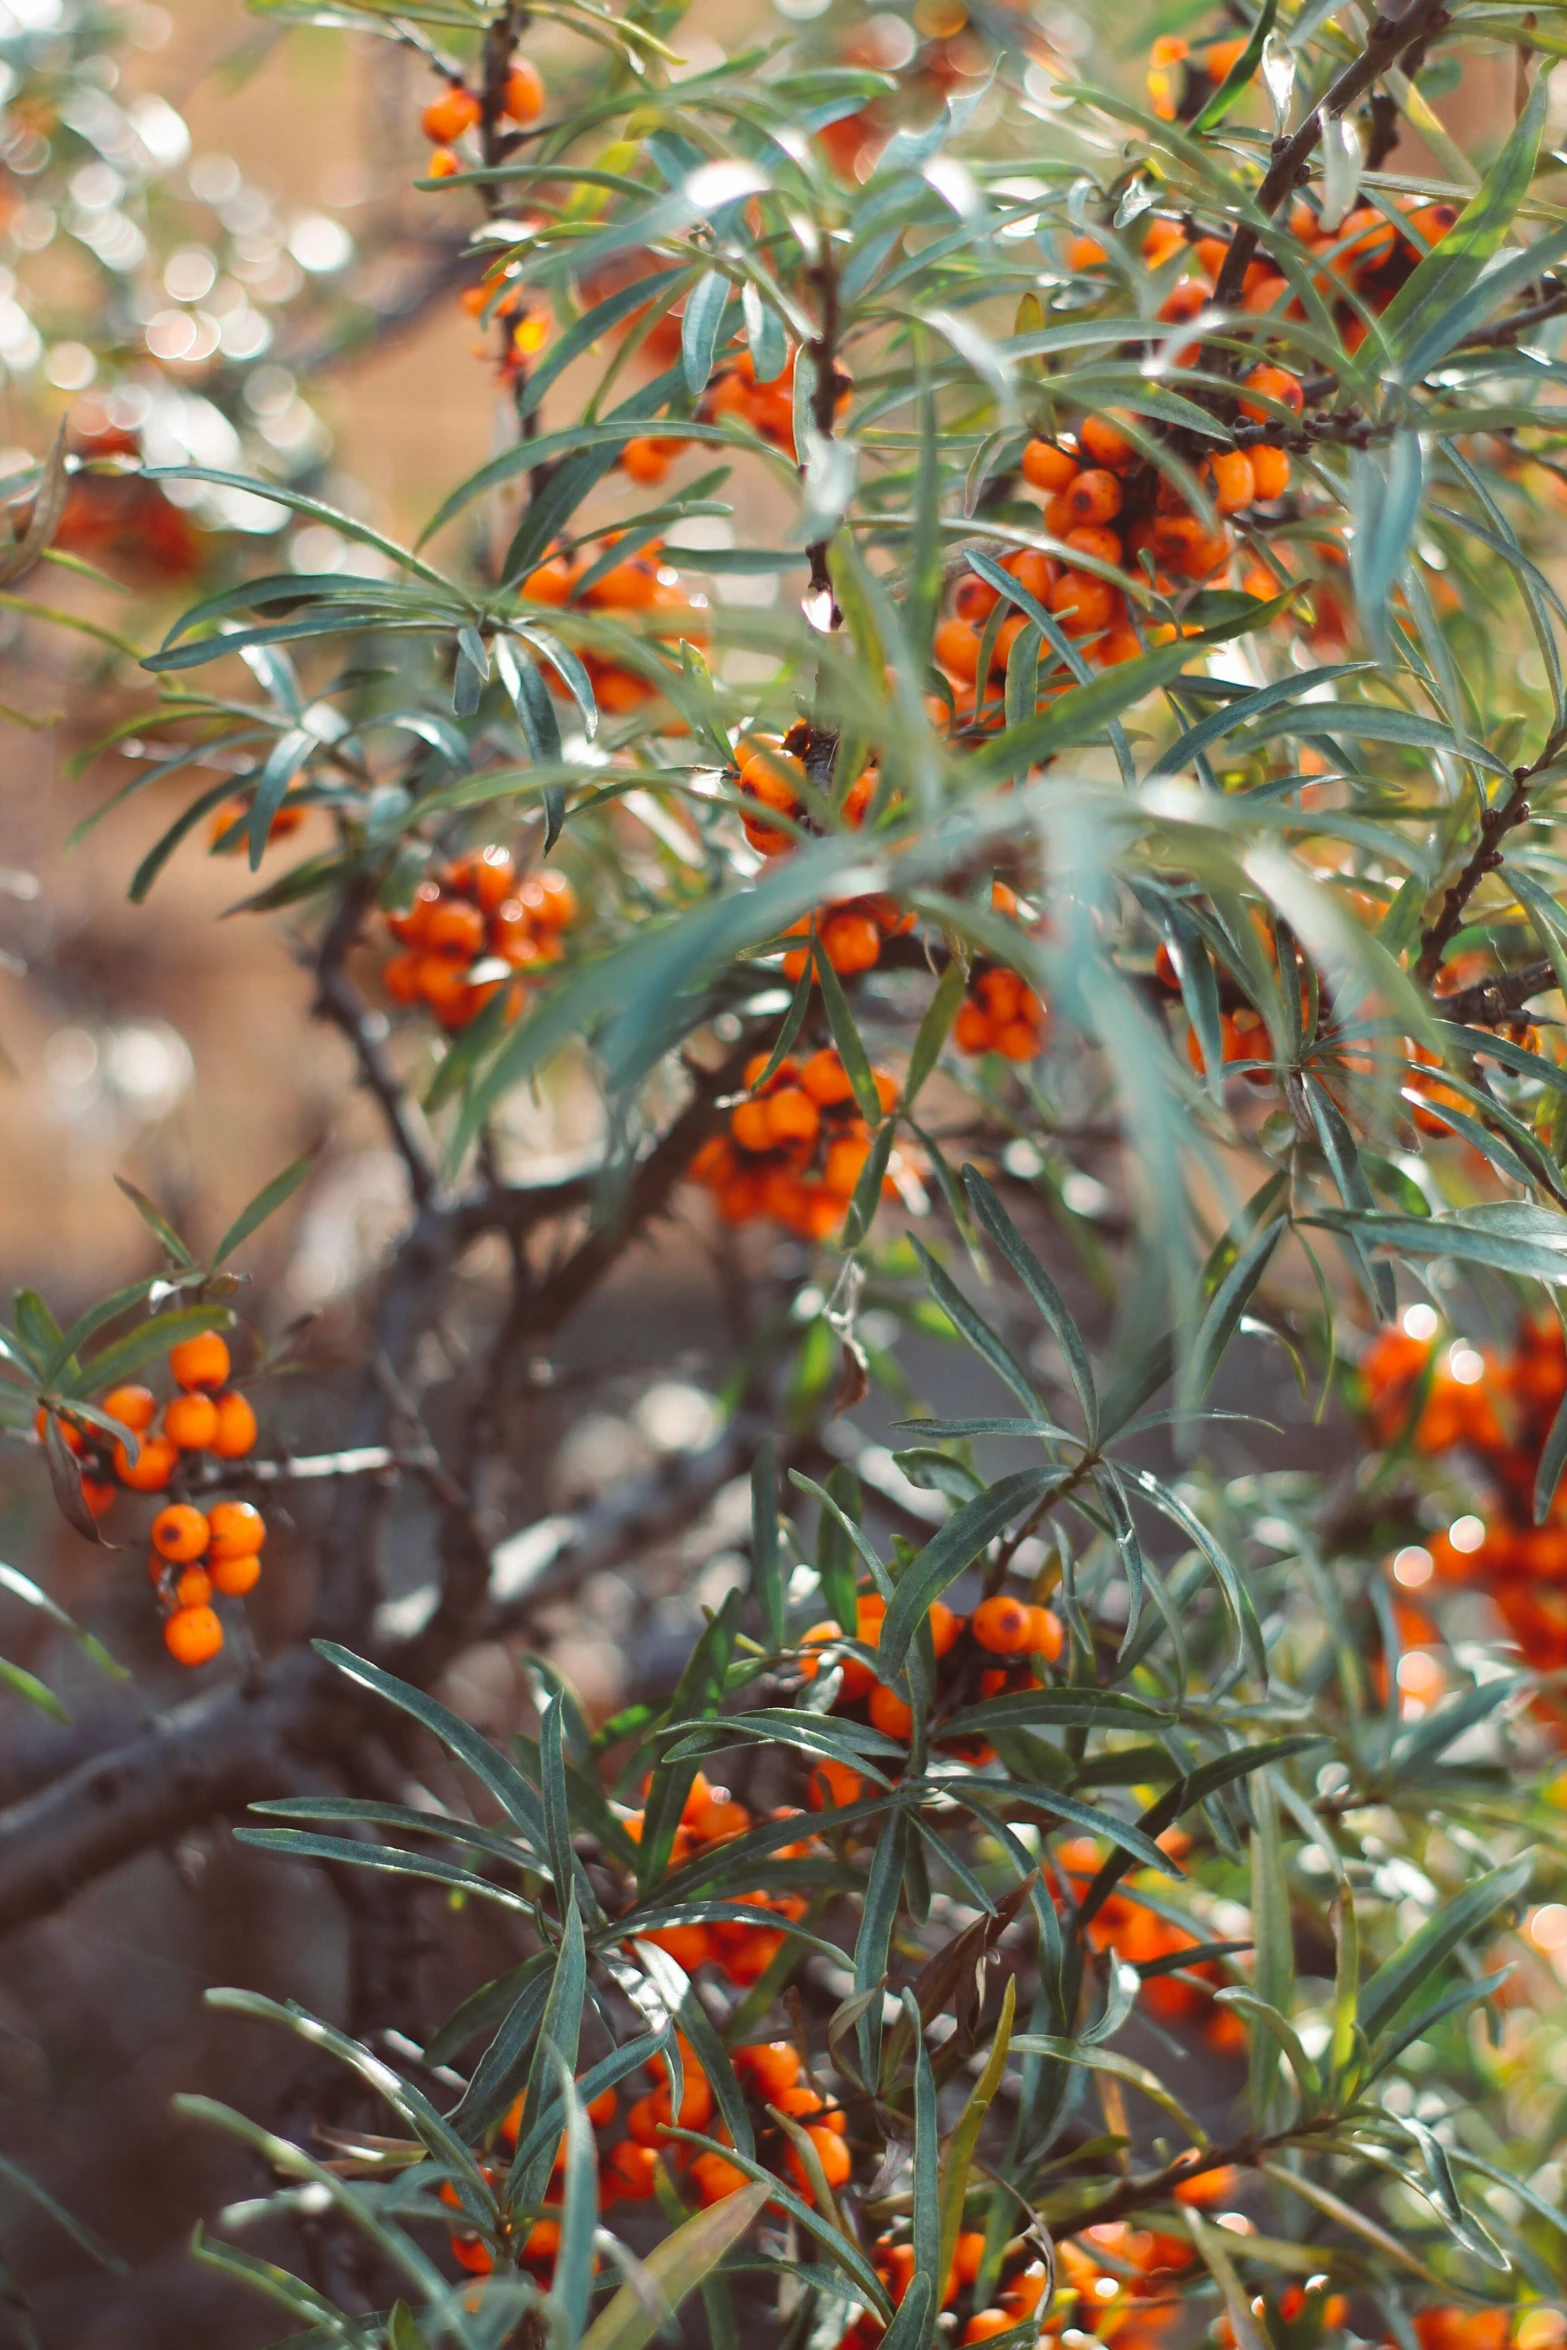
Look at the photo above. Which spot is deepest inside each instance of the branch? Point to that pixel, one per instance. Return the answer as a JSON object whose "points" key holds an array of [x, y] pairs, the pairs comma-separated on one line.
{"points": [[1499, 818], [1491, 1003], [1391, 34], [338, 1000]]}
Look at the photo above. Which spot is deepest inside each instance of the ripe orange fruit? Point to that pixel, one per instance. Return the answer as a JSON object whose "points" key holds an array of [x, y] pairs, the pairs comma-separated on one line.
{"points": [[1271, 471], [852, 942], [836, 2160], [1233, 482], [191, 1422], [832, 1785], [1095, 496], [237, 1529], [193, 1587], [524, 91], [1046, 1636], [154, 1465], [714, 2178], [235, 1432], [180, 1532], [944, 1627], [628, 2172], [1002, 1625], [68, 1428], [133, 1407], [202, 1361], [1274, 383], [986, 2322], [769, 2067], [1048, 467], [193, 1635], [234, 1577], [447, 117], [455, 928], [889, 1714]]}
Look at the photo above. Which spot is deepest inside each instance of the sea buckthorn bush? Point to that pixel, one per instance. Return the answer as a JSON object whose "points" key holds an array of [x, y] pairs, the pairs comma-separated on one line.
{"points": [[998, 701]]}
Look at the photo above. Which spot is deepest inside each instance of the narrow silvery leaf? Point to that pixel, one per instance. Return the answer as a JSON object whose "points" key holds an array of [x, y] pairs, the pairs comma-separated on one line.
{"points": [[1278, 73], [1342, 165]]}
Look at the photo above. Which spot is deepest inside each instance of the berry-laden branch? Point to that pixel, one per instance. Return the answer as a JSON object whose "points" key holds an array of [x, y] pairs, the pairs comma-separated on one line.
{"points": [[1393, 32]]}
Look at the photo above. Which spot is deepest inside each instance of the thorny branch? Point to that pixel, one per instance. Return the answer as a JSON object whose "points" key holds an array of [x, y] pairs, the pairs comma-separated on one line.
{"points": [[1501, 817]]}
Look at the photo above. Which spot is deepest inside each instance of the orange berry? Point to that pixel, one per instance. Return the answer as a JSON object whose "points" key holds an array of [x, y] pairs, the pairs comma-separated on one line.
{"points": [[524, 100], [1047, 466], [455, 928], [180, 1532], [1095, 496], [447, 117], [696, 2101], [832, 1785], [237, 1529], [770, 2067], [836, 2160], [967, 2254], [1432, 221], [68, 1429], [154, 1465], [751, 1125], [193, 1587], [689, 1946], [825, 1079], [792, 1116], [971, 1030], [235, 1432], [1274, 383], [889, 1714], [133, 1407], [542, 2242], [97, 1495], [1209, 2187], [1230, 476], [944, 1627], [1002, 1625], [234, 1577], [1083, 603], [1162, 238], [1271, 470], [852, 942], [644, 460], [628, 2172], [1045, 1635], [191, 1422], [717, 1820], [193, 1635], [956, 647], [713, 2178], [444, 165], [1102, 441], [1085, 253], [1093, 539], [551, 900], [986, 2322], [202, 1361]]}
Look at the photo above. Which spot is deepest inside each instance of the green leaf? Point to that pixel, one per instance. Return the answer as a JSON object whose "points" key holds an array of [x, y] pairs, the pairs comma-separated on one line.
{"points": [[266, 1203], [157, 1223], [1401, 1976], [1272, 1934], [675, 2268], [1229, 1301], [151, 1338], [1418, 311], [1040, 1288], [699, 328], [1384, 498], [987, 1343], [22, 1683], [940, 1013], [845, 1035], [1553, 1455], [505, 1783], [963, 2144]]}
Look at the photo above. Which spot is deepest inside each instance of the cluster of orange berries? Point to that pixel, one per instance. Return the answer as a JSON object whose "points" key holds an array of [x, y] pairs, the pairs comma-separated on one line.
{"points": [[1298, 2316], [1113, 2280], [527, 322], [774, 2075], [742, 1949], [775, 778], [1367, 256], [471, 928], [986, 1654], [458, 110], [207, 1416], [1000, 1013], [194, 1553], [796, 1146], [226, 832], [1497, 1408], [1105, 501], [644, 585], [1140, 1936]]}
